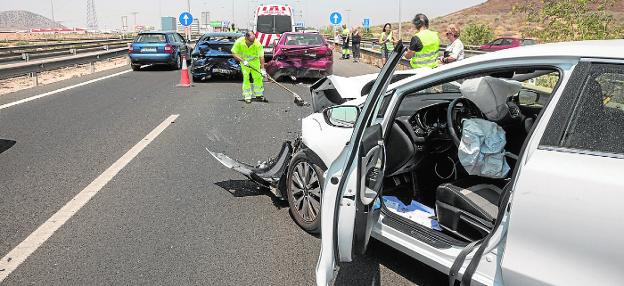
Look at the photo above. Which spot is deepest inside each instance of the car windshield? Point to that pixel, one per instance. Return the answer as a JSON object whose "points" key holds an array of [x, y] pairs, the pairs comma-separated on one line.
{"points": [[274, 24], [224, 39], [304, 40], [151, 38]]}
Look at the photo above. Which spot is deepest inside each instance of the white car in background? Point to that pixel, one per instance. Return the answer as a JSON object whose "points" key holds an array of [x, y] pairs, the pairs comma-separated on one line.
{"points": [[515, 180]]}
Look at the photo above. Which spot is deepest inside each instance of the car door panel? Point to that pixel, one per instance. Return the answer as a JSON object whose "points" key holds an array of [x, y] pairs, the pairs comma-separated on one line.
{"points": [[340, 212]]}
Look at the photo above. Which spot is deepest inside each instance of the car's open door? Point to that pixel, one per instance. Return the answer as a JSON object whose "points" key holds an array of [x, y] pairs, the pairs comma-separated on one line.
{"points": [[353, 182]]}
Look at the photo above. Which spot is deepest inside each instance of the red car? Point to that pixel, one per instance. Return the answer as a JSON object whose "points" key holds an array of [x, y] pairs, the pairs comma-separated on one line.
{"points": [[301, 55], [506, 43]]}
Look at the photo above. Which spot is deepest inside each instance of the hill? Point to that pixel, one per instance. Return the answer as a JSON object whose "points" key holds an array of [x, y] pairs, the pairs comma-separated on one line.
{"points": [[20, 20], [497, 14]]}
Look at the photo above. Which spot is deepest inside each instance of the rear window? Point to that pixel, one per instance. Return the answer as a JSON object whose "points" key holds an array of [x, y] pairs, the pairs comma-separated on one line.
{"points": [[527, 42], [304, 40], [151, 38], [274, 24], [218, 39]]}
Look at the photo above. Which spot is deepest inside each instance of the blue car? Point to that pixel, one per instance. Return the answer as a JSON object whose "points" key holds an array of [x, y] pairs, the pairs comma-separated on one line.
{"points": [[163, 48], [212, 56]]}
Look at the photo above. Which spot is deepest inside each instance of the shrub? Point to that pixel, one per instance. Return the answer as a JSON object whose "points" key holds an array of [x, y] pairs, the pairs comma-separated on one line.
{"points": [[476, 34]]}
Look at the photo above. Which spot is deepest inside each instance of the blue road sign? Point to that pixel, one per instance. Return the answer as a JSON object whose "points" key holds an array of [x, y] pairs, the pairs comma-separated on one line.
{"points": [[335, 18], [186, 19], [366, 23]]}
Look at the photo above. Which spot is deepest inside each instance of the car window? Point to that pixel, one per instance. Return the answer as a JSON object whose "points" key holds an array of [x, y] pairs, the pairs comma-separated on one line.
{"points": [[536, 92], [598, 120], [151, 38], [497, 42], [526, 42], [303, 40], [505, 42], [179, 38]]}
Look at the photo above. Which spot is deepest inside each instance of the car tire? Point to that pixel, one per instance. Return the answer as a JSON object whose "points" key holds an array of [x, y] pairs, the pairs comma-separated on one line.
{"points": [[135, 67], [178, 63], [303, 190]]}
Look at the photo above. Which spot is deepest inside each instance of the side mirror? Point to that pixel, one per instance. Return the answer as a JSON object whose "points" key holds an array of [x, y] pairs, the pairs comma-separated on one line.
{"points": [[528, 97], [342, 115]]}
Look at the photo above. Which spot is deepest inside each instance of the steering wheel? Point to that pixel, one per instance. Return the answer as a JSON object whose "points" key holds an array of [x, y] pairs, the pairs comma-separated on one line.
{"points": [[453, 121]]}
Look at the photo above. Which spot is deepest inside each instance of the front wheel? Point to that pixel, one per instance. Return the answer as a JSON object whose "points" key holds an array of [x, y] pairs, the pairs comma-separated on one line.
{"points": [[303, 189], [135, 67]]}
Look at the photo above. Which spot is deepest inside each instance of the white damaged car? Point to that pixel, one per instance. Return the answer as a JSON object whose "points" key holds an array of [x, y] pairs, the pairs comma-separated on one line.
{"points": [[296, 173]]}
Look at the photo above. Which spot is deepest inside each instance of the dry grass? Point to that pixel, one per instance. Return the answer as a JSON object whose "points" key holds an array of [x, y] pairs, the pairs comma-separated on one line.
{"points": [[25, 82]]}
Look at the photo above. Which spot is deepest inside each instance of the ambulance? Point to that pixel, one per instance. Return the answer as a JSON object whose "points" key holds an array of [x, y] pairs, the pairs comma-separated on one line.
{"points": [[270, 22]]}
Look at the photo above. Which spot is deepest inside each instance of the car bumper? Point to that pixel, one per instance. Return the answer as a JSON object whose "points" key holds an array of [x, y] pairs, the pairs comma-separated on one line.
{"points": [[152, 58], [316, 69], [207, 67]]}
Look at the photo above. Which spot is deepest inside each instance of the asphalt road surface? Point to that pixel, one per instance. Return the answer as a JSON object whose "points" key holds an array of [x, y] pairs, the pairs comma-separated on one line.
{"points": [[172, 215]]}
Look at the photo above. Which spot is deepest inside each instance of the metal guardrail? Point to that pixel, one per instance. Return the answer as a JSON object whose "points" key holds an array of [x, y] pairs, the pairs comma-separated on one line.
{"points": [[33, 68], [20, 49], [373, 49]]}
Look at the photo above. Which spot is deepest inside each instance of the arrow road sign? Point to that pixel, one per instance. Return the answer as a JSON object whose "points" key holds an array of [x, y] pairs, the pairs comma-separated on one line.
{"points": [[186, 19], [335, 18]]}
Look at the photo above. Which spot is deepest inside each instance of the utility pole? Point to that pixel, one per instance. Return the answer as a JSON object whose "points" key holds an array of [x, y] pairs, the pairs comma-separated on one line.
{"points": [[400, 20]]}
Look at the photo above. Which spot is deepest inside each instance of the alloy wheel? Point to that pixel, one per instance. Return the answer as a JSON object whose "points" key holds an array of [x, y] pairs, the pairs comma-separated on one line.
{"points": [[306, 191]]}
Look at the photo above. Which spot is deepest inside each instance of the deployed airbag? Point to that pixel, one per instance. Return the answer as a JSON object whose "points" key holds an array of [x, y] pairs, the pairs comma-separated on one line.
{"points": [[482, 149], [490, 94]]}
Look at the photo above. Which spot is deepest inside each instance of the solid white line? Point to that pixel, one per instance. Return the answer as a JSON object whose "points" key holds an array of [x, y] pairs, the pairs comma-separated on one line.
{"points": [[60, 90], [23, 250]]}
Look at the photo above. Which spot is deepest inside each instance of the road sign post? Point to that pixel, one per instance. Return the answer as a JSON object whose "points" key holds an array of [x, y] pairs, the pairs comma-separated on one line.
{"points": [[186, 19]]}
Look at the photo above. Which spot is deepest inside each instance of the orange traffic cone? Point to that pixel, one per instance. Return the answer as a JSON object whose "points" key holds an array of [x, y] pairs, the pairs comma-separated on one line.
{"points": [[184, 74]]}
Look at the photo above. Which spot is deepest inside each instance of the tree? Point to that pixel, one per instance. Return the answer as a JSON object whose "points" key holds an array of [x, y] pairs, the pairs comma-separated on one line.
{"points": [[570, 20], [476, 34]]}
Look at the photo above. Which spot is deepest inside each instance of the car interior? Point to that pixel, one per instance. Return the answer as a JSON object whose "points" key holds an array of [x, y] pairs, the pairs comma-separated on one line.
{"points": [[427, 190]]}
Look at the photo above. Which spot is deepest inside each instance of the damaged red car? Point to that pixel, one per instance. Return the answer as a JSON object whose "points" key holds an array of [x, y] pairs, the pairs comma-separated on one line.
{"points": [[301, 55]]}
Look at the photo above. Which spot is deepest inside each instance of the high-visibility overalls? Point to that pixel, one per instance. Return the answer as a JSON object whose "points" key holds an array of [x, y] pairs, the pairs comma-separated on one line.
{"points": [[346, 36], [251, 54], [428, 56]]}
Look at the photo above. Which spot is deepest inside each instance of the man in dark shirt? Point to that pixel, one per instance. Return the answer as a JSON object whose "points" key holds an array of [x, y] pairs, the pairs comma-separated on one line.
{"points": [[424, 46]]}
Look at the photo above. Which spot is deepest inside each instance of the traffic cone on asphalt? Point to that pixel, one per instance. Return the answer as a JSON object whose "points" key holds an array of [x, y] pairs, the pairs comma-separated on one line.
{"points": [[185, 81]]}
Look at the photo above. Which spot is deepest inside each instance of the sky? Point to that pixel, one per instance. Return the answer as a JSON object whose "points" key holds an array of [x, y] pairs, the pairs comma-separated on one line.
{"points": [[315, 13]]}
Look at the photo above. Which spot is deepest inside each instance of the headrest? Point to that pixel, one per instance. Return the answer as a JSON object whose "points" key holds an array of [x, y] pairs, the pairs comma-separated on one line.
{"points": [[490, 94]]}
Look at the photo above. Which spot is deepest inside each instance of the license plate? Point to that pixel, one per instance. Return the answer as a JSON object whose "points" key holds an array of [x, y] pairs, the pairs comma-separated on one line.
{"points": [[312, 55], [225, 71], [148, 50], [268, 50]]}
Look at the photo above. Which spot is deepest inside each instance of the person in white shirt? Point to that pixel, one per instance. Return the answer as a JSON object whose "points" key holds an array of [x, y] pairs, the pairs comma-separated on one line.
{"points": [[454, 51]]}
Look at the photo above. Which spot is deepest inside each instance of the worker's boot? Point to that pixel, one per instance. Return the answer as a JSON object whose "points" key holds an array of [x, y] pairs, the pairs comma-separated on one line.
{"points": [[261, 99]]}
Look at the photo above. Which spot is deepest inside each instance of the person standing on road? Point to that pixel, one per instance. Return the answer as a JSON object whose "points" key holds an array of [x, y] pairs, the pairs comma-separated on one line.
{"points": [[386, 40], [337, 41], [250, 54], [356, 39], [233, 28], [454, 51], [346, 37], [424, 46]]}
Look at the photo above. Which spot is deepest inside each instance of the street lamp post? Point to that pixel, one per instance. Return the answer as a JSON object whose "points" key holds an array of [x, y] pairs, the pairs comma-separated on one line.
{"points": [[400, 20], [348, 18]]}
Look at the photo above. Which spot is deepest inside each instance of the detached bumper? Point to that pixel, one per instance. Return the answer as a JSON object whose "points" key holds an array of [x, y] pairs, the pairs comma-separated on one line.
{"points": [[269, 174]]}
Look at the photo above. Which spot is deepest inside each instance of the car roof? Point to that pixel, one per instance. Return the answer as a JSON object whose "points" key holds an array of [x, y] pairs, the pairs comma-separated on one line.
{"points": [[223, 34], [583, 49], [300, 33], [157, 32]]}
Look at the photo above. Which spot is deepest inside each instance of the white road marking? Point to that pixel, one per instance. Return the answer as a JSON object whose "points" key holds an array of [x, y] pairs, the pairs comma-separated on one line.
{"points": [[22, 251], [60, 90]]}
